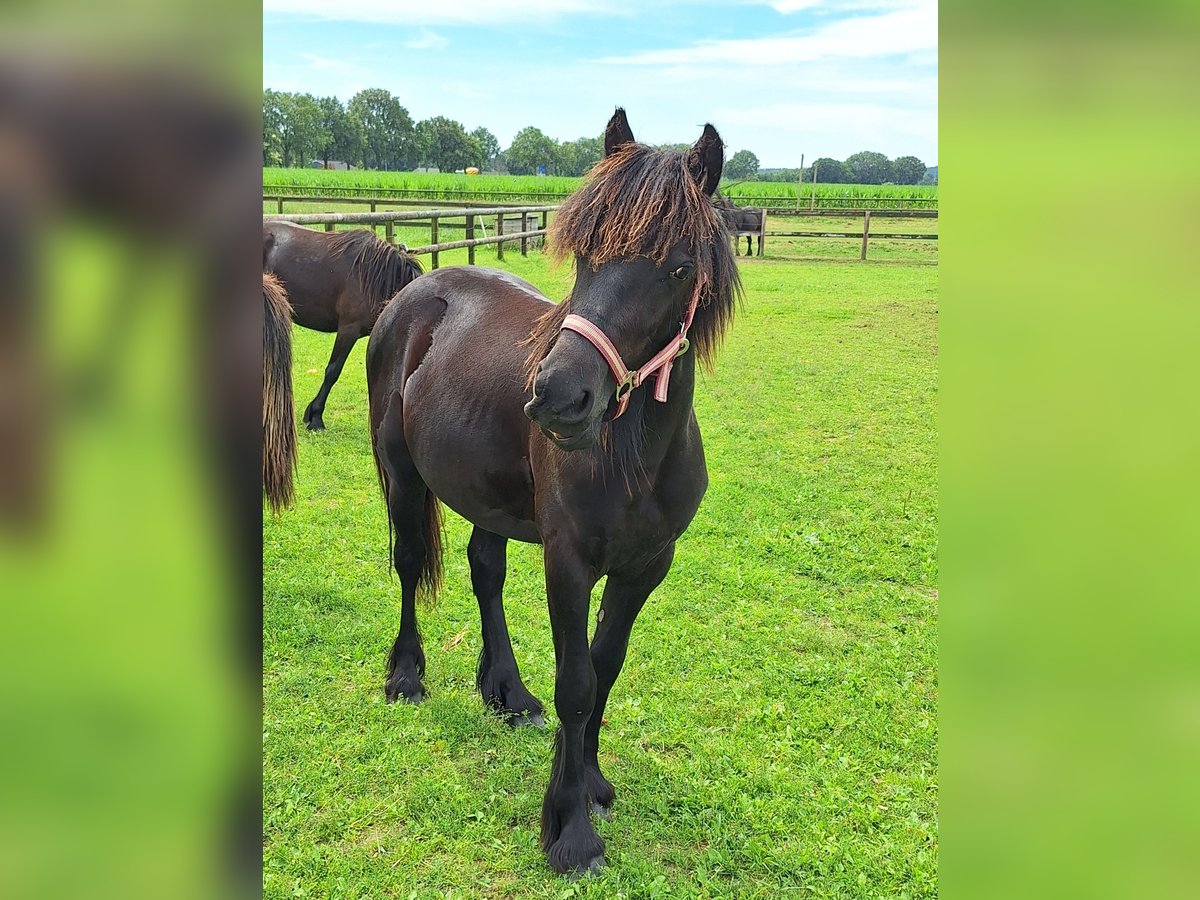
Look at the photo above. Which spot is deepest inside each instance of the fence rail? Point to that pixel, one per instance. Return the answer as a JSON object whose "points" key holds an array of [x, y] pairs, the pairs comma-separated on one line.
{"points": [[504, 215], [434, 217]]}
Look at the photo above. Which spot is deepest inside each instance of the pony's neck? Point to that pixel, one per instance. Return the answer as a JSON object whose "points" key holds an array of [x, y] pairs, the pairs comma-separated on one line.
{"points": [[659, 424]]}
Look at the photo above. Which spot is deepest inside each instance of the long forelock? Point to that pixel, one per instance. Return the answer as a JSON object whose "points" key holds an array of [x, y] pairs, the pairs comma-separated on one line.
{"points": [[641, 201]]}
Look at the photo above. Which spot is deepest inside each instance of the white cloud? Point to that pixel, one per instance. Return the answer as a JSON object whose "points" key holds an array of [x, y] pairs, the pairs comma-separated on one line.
{"points": [[443, 12], [428, 40], [787, 7], [902, 31]]}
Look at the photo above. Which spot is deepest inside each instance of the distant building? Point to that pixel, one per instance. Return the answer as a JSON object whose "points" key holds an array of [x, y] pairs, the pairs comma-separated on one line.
{"points": [[333, 164]]}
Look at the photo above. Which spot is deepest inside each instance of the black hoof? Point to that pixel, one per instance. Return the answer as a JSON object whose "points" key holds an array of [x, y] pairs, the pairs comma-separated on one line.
{"points": [[594, 867], [315, 425], [578, 851], [404, 689]]}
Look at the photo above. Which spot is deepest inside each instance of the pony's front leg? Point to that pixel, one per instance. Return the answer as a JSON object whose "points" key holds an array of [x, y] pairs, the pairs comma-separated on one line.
{"points": [[625, 593], [570, 841]]}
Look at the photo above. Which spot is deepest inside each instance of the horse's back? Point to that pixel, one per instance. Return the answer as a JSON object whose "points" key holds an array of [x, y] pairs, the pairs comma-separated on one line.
{"points": [[449, 347]]}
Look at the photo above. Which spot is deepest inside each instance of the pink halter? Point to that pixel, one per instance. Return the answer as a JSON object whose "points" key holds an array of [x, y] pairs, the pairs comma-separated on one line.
{"points": [[660, 363]]}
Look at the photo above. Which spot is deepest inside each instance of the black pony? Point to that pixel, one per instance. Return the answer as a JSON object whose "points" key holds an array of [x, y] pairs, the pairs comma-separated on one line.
{"points": [[742, 220], [520, 416], [336, 281]]}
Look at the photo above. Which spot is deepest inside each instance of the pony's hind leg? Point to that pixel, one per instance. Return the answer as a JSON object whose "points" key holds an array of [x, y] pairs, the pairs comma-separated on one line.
{"points": [[414, 516], [342, 345], [498, 678]]}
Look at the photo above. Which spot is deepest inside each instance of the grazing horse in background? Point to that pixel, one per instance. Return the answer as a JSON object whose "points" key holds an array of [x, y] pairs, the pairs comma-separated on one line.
{"points": [[279, 417], [741, 219], [336, 282], [522, 416]]}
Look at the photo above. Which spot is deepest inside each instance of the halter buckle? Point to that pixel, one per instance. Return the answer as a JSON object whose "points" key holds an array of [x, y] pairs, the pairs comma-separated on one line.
{"points": [[625, 385]]}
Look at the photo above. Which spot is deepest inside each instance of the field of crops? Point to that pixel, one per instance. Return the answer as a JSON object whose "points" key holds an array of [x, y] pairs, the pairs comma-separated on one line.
{"points": [[535, 188]]}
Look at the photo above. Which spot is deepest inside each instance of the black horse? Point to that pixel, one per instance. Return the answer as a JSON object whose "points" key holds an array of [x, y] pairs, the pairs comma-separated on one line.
{"points": [[336, 282], [606, 478], [740, 220]]}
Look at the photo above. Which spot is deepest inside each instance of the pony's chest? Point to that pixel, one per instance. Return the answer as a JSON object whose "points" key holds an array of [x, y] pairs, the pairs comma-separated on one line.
{"points": [[655, 518]]}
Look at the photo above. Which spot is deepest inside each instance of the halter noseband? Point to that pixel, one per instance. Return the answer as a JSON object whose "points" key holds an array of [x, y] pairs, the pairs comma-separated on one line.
{"points": [[659, 364]]}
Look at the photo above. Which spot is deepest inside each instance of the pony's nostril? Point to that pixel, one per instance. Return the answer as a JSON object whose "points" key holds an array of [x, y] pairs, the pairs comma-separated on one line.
{"points": [[581, 405]]}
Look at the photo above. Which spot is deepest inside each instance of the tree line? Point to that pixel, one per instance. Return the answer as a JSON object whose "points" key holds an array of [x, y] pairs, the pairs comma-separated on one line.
{"points": [[374, 131], [867, 167]]}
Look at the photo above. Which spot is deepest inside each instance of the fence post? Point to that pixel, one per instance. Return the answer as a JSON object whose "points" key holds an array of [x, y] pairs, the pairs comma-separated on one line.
{"points": [[500, 232], [470, 237], [375, 225], [866, 231], [390, 231], [526, 218], [281, 206], [433, 239], [329, 226]]}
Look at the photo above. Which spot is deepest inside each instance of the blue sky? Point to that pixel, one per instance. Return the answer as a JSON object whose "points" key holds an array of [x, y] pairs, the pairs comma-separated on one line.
{"points": [[777, 77]]}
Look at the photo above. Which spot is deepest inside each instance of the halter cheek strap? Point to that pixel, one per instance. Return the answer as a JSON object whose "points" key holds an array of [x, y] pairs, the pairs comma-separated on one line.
{"points": [[659, 364]]}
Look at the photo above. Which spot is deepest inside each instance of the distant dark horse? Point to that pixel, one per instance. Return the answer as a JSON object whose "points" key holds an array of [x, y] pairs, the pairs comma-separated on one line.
{"points": [[279, 418], [606, 477], [336, 282], [741, 219]]}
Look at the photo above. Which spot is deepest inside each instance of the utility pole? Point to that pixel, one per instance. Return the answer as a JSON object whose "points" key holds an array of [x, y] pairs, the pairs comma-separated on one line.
{"points": [[800, 181]]}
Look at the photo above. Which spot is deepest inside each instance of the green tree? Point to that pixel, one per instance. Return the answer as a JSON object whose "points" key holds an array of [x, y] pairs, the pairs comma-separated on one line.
{"points": [[489, 147], [389, 140], [907, 170], [742, 164], [302, 132], [868, 167], [576, 157], [345, 141], [445, 144], [829, 171], [273, 116], [531, 149]]}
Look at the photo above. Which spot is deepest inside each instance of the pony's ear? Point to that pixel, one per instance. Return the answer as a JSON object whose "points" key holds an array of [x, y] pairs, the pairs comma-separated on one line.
{"points": [[617, 132], [706, 159]]}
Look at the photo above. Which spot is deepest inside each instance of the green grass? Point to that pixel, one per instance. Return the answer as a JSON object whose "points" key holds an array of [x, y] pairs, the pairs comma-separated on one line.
{"points": [[774, 730], [532, 188]]}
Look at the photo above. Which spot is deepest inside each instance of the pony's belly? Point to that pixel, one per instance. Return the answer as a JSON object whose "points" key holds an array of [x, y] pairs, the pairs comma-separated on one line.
{"points": [[495, 499], [470, 449]]}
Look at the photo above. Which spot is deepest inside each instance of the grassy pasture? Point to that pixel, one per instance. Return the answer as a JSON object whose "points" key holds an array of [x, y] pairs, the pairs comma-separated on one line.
{"points": [[774, 729], [519, 188]]}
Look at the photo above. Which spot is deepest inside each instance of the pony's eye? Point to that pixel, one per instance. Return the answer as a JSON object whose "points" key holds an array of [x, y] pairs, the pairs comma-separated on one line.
{"points": [[682, 272]]}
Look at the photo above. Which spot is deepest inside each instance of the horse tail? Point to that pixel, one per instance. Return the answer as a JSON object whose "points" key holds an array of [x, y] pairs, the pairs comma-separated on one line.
{"points": [[429, 582], [279, 415], [431, 570]]}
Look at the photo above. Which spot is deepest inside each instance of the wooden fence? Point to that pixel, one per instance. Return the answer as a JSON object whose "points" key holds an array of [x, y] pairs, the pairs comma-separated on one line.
{"points": [[531, 222], [280, 194], [503, 217], [866, 234]]}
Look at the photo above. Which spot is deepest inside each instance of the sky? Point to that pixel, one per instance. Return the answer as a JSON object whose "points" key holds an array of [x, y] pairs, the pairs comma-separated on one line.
{"points": [[780, 78]]}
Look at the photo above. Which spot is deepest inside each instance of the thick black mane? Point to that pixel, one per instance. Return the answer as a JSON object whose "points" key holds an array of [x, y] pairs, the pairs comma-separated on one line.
{"points": [[382, 270]]}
